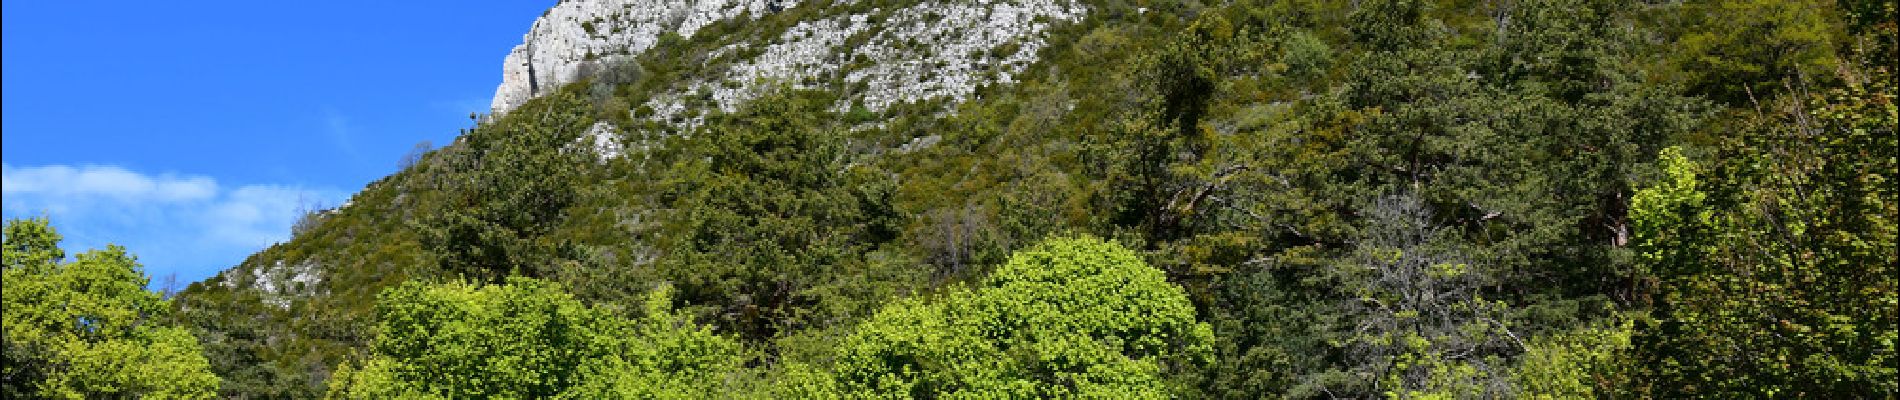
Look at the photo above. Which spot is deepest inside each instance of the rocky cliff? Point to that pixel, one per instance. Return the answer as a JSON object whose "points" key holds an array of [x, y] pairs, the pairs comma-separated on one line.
{"points": [[574, 34], [927, 51]]}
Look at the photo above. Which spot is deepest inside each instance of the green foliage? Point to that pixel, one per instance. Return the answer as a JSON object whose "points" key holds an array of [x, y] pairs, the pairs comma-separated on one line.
{"points": [[1519, 127], [1408, 198], [1590, 362], [1273, 338], [31, 243], [87, 328], [1065, 319], [1422, 324], [506, 185], [1306, 55], [1672, 218], [1777, 278], [1744, 51], [1389, 25], [766, 221], [529, 339], [270, 337], [1524, 143]]}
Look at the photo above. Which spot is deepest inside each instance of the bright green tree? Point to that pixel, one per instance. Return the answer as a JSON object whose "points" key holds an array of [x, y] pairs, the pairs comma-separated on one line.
{"points": [[87, 328], [1775, 276], [1070, 318], [1589, 362], [529, 339]]}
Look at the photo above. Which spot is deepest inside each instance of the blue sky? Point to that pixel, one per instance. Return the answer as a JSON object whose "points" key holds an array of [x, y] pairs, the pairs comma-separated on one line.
{"points": [[192, 132]]}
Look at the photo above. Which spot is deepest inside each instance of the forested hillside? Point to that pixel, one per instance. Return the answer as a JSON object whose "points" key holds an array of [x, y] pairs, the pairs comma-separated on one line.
{"points": [[1176, 199]]}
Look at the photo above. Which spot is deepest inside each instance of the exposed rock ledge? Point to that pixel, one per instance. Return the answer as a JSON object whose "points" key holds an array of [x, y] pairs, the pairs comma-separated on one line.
{"points": [[579, 32], [928, 51], [933, 50]]}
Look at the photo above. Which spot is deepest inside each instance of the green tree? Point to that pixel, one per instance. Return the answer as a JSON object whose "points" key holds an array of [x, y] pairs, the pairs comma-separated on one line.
{"points": [[1163, 158], [1774, 259], [507, 183], [1589, 362], [1520, 125], [529, 339], [87, 328], [1744, 52], [1421, 324], [1068, 318], [1527, 145], [767, 222]]}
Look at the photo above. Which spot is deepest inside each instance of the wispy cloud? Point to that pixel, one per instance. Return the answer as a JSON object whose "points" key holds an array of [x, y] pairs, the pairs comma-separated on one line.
{"points": [[104, 182], [184, 224], [338, 127]]}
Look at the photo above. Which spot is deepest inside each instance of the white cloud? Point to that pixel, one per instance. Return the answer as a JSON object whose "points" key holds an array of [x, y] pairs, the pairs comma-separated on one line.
{"points": [[184, 224], [108, 182], [259, 214]]}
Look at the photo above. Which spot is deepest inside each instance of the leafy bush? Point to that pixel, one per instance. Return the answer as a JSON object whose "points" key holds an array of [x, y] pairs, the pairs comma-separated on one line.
{"points": [[1068, 318], [529, 339]]}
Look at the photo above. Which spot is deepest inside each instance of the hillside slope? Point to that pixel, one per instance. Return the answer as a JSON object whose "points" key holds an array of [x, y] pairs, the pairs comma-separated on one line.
{"points": [[1360, 198]]}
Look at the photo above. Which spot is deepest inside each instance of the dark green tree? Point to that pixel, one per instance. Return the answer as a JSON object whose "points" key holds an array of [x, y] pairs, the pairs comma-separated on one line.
{"points": [[1526, 146], [507, 183], [767, 222]]}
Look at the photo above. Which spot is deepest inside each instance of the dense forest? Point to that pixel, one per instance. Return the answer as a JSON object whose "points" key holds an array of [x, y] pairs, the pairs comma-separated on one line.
{"points": [[1181, 199]]}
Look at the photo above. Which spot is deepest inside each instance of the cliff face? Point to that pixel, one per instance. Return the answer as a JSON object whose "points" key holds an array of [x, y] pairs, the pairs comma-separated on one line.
{"points": [[577, 33], [928, 51]]}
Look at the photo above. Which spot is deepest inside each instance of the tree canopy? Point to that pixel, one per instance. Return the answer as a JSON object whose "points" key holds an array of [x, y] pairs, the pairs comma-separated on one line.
{"points": [[1068, 318], [87, 327], [527, 338]]}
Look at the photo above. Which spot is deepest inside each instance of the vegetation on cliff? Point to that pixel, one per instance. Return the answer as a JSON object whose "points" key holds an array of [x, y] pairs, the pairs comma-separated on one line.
{"points": [[1294, 198]]}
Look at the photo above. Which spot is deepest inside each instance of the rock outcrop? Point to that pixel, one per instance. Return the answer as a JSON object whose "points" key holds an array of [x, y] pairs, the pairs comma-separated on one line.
{"points": [[578, 33], [277, 284], [928, 51], [933, 50]]}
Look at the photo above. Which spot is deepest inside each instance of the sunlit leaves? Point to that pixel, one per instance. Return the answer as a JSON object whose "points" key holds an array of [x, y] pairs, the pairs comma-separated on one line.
{"points": [[1065, 319], [87, 328], [529, 339]]}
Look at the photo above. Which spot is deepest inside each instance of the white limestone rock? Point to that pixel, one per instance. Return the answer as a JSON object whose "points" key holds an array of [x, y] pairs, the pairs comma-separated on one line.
{"points": [[928, 51], [604, 140], [278, 283], [956, 49], [575, 33]]}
